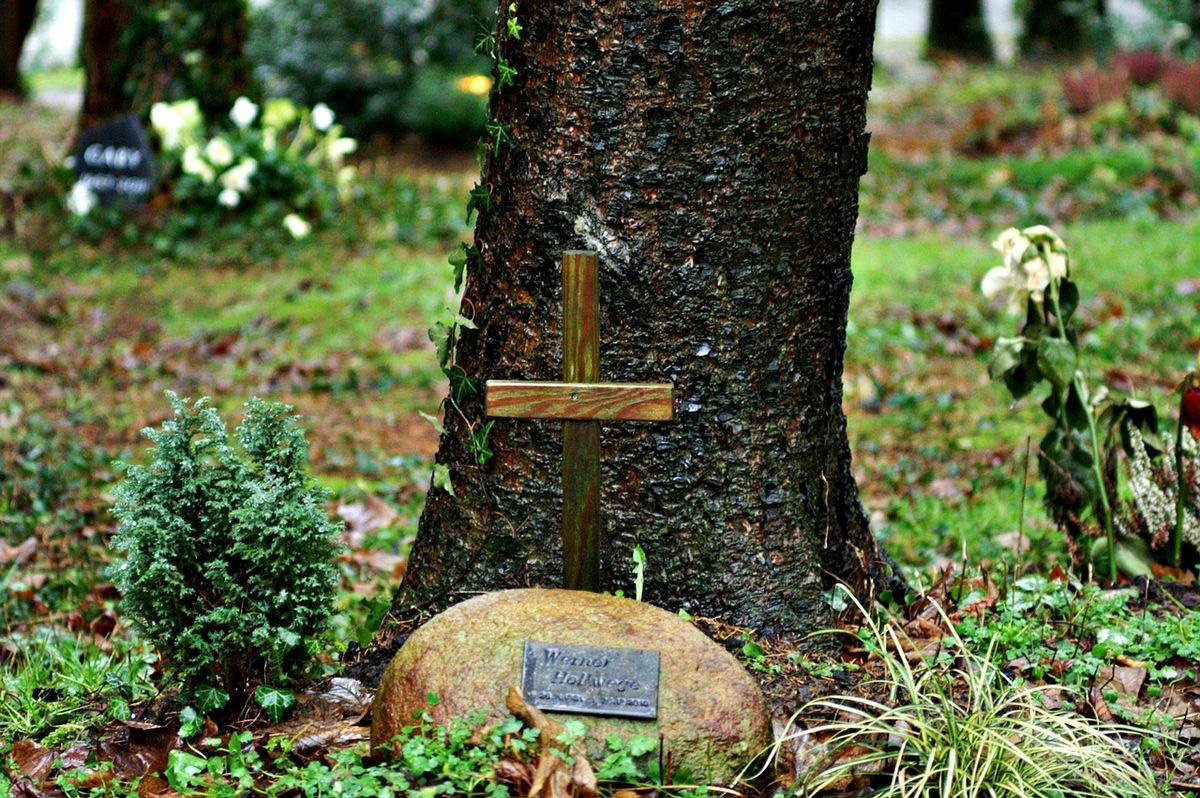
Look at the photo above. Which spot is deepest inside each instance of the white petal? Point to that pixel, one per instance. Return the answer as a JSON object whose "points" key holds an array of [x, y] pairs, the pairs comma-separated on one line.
{"points": [[1059, 268], [1037, 275], [996, 282]]}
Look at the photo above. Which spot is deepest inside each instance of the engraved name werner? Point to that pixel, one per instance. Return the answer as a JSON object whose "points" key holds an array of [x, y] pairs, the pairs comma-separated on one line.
{"points": [[591, 680]]}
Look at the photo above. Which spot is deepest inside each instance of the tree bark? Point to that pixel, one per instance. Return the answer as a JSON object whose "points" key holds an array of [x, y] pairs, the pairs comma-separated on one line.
{"points": [[958, 28], [1059, 27], [136, 53], [103, 93], [710, 152], [16, 20]]}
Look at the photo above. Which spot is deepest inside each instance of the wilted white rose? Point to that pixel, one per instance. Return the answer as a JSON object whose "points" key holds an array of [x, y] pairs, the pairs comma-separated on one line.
{"points": [[218, 152], [1012, 245], [339, 148], [1035, 258], [322, 117], [194, 164], [81, 199], [243, 112], [1037, 278], [176, 123], [238, 177], [229, 198], [296, 226]]}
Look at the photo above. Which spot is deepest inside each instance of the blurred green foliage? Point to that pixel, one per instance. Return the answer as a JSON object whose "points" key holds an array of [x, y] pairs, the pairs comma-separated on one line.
{"points": [[175, 49], [367, 59]]}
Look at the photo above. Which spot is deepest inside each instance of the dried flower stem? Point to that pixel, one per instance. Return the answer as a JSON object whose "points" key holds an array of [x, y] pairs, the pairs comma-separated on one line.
{"points": [[1181, 483], [1097, 468]]}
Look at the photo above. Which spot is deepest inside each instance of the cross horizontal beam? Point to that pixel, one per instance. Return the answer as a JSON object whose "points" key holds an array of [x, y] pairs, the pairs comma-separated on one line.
{"points": [[580, 401]]}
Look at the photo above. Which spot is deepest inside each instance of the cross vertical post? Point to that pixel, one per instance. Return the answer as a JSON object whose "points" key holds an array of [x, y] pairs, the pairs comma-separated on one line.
{"points": [[581, 439]]}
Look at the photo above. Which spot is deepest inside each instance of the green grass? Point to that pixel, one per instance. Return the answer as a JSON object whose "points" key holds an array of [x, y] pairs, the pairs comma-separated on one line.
{"points": [[57, 685], [58, 79]]}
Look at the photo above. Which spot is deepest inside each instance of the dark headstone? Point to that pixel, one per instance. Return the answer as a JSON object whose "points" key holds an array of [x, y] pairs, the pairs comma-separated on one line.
{"points": [[114, 160], [594, 680]]}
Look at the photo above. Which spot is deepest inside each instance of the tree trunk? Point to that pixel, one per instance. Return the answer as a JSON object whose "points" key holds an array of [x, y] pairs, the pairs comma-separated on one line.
{"points": [[103, 94], [710, 152], [136, 53], [1059, 27], [16, 20], [958, 28]]}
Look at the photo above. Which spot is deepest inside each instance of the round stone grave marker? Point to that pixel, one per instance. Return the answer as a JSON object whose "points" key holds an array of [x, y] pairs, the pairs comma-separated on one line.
{"points": [[711, 715]]}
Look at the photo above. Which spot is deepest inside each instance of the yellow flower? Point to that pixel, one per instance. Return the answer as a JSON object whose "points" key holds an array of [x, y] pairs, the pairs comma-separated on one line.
{"points": [[478, 85]]}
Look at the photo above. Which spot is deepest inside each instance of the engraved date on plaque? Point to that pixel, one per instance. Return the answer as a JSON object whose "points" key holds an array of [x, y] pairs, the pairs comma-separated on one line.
{"points": [[591, 680]]}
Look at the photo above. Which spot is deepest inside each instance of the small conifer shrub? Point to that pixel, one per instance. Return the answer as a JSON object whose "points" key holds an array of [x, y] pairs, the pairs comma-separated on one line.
{"points": [[229, 553]]}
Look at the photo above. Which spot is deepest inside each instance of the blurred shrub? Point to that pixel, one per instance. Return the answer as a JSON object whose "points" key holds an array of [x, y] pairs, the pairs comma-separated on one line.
{"points": [[1173, 25], [1144, 67], [1089, 87], [1181, 85], [271, 172], [164, 50], [367, 58], [442, 107], [427, 213]]}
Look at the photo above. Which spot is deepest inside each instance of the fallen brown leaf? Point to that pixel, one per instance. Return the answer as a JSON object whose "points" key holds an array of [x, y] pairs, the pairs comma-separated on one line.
{"points": [[364, 518], [33, 760], [19, 554], [553, 777]]}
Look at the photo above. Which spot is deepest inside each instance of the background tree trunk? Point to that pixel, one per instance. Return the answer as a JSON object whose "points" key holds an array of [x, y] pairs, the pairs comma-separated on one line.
{"points": [[1060, 27], [16, 20], [958, 28], [136, 53], [103, 94], [711, 153]]}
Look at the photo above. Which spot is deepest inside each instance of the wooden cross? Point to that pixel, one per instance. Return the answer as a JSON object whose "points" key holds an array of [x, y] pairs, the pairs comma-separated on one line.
{"points": [[581, 402]]}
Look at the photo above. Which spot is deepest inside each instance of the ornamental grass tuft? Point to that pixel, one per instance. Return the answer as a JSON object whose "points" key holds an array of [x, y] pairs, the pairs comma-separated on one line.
{"points": [[956, 727]]}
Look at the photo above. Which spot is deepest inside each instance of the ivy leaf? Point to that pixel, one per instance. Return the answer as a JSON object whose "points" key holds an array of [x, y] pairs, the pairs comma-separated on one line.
{"points": [[434, 422], [479, 443], [463, 321], [1057, 360], [462, 384], [275, 701], [184, 770], [505, 73], [441, 478], [514, 27], [210, 699], [752, 650], [480, 200], [458, 259], [191, 722], [439, 333]]}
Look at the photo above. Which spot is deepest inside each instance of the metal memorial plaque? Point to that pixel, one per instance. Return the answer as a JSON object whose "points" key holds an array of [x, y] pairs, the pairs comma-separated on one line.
{"points": [[591, 680]]}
